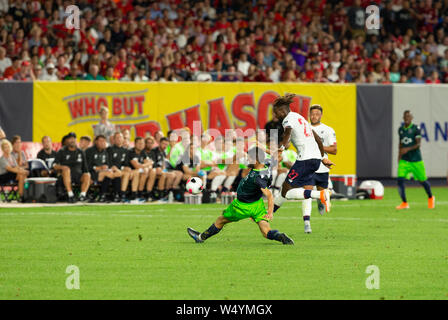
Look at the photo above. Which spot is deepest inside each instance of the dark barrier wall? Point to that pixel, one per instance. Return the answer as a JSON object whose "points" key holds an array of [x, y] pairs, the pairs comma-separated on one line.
{"points": [[16, 109], [374, 131]]}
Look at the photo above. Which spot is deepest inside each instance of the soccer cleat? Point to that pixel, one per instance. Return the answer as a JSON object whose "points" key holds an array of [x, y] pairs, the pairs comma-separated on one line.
{"points": [[285, 239], [71, 199], [195, 235], [103, 198], [432, 202], [307, 228], [403, 205], [82, 199], [325, 199], [320, 207]]}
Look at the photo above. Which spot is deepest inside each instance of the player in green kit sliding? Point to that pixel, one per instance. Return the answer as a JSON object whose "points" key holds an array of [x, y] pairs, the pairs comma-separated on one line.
{"points": [[410, 160], [249, 203]]}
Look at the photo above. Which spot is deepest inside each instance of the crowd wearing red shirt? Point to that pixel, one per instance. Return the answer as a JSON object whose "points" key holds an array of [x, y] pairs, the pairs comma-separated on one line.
{"points": [[225, 40]]}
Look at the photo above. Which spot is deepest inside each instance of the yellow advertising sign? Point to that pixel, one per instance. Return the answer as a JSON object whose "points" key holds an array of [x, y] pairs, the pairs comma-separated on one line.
{"points": [[61, 107]]}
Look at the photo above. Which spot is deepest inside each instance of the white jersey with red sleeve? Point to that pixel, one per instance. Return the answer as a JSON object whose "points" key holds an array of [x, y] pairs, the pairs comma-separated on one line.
{"points": [[328, 137], [302, 137]]}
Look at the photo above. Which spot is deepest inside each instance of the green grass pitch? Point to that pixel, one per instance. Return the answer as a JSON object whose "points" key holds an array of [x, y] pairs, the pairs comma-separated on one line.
{"points": [[144, 252]]}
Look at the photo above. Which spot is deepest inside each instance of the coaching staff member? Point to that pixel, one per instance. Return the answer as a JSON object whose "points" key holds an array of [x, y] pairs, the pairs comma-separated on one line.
{"points": [[71, 164]]}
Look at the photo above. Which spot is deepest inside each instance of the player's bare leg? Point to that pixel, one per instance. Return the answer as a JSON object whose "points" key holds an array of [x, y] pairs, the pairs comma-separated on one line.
{"points": [[85, 184], [142, 177], [67, 180], [289, 192], [177, 178], [152, 174], [169, 180]]}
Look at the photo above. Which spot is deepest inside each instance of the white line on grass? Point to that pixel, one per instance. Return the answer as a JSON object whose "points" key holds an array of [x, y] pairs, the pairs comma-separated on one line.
{"points": [[125, 213]]}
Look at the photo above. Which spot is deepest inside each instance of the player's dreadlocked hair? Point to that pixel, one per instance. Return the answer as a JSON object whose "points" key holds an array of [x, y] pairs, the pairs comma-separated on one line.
{"points": [[284, 101]]}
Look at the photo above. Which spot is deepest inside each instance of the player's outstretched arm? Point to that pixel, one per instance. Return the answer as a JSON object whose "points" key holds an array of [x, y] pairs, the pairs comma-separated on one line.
{"points": [[270, 198]]}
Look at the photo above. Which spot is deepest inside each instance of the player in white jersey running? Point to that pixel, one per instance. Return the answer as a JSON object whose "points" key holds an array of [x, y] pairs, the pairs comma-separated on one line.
{"points": [[299, 181], [328, 136]]}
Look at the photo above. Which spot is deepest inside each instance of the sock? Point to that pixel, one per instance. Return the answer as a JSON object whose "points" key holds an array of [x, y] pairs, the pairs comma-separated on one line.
{"points": [[401, 190], [211, 231], [229, 181], [105, 185], [83, 194], [116, 183], [301, 194], [274, 235], [216, 182], [427, 187], [278, 201], [280, 179], [306, 209], [70, 194]]}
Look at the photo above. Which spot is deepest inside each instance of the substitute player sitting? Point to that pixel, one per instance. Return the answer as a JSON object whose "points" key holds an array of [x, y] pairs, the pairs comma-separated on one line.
{"points": [[249, 203], [410, 160]]}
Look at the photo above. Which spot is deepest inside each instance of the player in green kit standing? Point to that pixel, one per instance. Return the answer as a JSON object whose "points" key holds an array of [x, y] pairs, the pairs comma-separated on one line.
{"points": [[249, 203], [410, 160]]}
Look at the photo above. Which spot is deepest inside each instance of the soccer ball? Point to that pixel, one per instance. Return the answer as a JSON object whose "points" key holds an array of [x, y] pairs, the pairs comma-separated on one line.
{"points": [[194, 185]]}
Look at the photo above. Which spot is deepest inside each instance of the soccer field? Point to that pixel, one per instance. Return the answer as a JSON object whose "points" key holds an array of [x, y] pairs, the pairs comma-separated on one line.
{"points": [[144, 252]]}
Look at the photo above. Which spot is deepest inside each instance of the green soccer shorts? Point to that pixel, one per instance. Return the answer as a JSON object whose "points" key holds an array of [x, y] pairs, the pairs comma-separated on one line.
{"points": [[238, 210], [416, 169]]}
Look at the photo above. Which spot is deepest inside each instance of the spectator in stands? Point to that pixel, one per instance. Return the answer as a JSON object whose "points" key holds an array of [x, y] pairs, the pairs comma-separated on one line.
{"points": [[98, 163], [129, 74], [12, 69], [84, 142], [206, 39], [418, 76], [141, 75], [47, 155], [25, 73], [50, 73], [71, 164], [9, 168], [2, 134], [5, 61], [94, 73], [104, 127]]}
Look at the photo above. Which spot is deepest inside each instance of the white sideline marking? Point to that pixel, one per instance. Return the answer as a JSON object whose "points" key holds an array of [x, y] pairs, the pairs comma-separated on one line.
{"points": [[124, 213]]}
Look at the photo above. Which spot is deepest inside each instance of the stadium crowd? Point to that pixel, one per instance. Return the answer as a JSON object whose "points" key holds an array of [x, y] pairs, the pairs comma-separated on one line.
{"points": [[225, 40], [151, 168]]}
